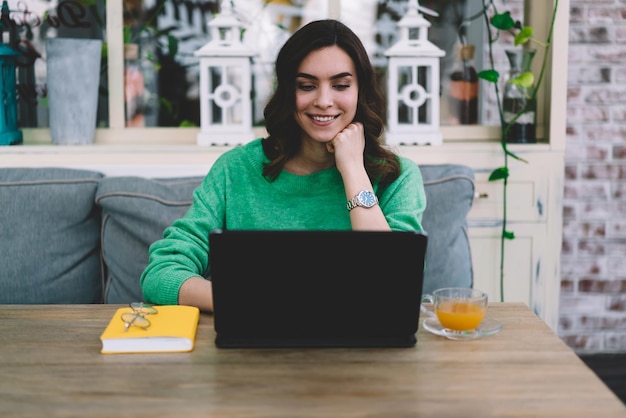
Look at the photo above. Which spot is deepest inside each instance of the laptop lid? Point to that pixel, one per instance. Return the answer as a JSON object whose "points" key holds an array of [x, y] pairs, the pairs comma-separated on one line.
{"points": [[316, 288]]}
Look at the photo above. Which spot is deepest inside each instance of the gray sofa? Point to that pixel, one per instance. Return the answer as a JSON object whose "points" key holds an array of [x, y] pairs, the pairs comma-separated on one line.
{"points": [[78, 236]]}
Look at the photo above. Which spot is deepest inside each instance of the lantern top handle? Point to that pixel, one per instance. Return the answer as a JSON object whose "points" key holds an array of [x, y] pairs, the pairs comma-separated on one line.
{"points": [[415, 7]]}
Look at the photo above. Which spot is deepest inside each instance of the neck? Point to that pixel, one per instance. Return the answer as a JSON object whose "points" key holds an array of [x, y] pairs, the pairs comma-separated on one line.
{"points": [[310, 159]]}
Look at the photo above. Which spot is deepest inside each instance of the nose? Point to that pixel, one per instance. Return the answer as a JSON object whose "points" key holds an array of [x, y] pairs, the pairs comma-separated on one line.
{"points": [[324, 98]]}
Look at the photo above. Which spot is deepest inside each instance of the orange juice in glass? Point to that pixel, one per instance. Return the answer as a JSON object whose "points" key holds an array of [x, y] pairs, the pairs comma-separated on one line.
{"points": [[458, 308]]}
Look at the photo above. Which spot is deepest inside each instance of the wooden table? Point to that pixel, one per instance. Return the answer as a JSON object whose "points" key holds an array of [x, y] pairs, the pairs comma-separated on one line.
{"points": [[50, 365]]}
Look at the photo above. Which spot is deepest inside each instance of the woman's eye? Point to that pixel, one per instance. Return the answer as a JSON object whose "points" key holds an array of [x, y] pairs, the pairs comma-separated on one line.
{"points": [[342, 87], [305, 87]]}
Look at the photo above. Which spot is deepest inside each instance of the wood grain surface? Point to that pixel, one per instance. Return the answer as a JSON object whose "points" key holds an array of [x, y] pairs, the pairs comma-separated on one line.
{"points": [[50, 365]]}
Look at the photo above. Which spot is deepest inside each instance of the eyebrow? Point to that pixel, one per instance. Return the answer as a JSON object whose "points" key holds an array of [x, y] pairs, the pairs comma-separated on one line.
{"points": [[312, 77]]}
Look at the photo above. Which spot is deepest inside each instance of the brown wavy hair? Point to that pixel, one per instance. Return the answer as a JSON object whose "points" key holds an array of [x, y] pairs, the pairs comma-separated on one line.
{"points": [[285, 135]]}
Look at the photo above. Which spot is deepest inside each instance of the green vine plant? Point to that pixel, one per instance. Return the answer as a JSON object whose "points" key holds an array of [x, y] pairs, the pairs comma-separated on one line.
{"points": [[523, 35]]}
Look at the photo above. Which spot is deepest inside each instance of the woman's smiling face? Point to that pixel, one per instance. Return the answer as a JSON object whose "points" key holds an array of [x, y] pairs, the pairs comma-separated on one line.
{"points": [[327, 92]]}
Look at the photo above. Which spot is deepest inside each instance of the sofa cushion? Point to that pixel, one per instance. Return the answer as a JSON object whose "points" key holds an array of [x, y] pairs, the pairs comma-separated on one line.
{"points": [[135, 212], [449, 195], [49, 236]]}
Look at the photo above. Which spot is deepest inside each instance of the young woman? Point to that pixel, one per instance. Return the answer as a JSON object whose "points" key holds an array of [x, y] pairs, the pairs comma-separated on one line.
{"points": [[323, 165]]}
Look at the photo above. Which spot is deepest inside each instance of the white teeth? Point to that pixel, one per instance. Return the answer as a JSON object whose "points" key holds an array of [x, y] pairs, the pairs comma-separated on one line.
{"points": [[323, 118]]}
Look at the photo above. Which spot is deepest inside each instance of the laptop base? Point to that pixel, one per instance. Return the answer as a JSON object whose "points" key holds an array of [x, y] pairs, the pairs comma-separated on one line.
{"points": [[222, 341]]}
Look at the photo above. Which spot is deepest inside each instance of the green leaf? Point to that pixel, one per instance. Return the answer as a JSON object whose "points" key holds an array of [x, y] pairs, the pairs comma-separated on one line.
{"points": [[187, 124], [525, 79], [172, 45], [524, 35], [503, 21], [127, 34], [167, 104], [508, 235], [490, 75], [499, 174]]}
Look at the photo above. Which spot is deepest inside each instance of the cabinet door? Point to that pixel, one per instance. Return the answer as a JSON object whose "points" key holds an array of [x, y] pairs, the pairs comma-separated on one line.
{"points": [[525, 264]]}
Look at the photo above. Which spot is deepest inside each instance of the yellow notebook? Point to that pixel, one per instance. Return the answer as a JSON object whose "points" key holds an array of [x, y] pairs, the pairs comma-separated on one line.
{"points": [[172, 329]]}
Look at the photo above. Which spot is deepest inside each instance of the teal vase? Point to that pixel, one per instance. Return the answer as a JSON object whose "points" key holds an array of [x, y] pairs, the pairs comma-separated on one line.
{"points": [[9, 133]]}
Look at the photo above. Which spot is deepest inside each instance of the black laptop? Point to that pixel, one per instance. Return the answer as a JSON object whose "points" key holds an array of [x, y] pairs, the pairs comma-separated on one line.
{"points": [[316, 288]]}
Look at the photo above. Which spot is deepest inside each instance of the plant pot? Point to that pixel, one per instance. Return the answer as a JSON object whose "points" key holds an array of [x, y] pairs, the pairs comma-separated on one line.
{"points": [[73, 71]]}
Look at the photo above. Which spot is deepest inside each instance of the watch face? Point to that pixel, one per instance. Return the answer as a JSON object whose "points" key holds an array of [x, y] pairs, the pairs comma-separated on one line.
{"points": [[368, 199]]}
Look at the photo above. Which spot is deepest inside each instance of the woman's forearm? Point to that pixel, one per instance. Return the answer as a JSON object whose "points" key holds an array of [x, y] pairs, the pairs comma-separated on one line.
{"points": [[197, 291]]}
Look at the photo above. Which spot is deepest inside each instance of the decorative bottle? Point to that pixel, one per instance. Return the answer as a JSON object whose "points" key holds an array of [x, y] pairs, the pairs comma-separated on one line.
{"points": [[133, 87], [463, 91], [517, 103]]}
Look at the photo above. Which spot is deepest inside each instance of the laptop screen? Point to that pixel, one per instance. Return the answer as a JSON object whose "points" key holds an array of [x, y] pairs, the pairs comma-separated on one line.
{"points": [[316, 288]]}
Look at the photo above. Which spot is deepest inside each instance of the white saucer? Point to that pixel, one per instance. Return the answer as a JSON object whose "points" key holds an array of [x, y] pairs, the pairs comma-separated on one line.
{"points": [[487, 327]]}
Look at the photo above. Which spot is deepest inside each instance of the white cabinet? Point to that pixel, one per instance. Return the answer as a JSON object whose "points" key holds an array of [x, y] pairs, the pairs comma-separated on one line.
{"points": [[534, 195]]}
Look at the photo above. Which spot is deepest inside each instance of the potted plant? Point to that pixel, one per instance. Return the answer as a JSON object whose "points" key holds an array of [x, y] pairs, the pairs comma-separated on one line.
{"points": [[527, 83]]}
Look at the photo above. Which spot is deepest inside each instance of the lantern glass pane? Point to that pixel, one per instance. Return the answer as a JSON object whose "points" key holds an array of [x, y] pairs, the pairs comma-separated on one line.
{"points": [[224, 34], [413, 100], [405, 115], [215, 80], [406, 79], [424, 78]]}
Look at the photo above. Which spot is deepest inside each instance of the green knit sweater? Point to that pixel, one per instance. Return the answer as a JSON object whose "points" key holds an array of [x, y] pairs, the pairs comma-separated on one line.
{"points": [[235, 195]]}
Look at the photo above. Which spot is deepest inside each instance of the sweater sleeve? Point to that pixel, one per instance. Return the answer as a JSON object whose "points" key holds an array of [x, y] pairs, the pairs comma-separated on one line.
{"points": [[183, 252], [403, 202]]}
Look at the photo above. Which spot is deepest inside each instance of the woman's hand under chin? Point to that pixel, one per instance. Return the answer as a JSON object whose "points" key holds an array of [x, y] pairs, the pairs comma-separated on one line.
{"points": [[348, 147]]}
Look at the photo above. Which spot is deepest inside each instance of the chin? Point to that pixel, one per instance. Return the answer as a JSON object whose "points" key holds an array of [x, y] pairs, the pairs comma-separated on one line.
{"points": [[321, 137], [324, 139]]}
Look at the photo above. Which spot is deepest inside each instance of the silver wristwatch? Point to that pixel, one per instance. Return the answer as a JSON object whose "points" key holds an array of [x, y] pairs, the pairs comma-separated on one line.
{"points": [[364, 198]]}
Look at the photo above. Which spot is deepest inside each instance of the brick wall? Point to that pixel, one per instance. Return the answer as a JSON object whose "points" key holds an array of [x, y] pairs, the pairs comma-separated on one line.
{"points": [[593, 259]]}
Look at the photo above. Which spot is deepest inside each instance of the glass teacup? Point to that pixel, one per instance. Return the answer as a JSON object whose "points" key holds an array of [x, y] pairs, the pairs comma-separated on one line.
{"points": [[457, 308]]}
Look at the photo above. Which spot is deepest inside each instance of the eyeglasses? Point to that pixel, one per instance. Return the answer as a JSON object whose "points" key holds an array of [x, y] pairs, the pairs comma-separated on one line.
{"points": [[137, 318]]}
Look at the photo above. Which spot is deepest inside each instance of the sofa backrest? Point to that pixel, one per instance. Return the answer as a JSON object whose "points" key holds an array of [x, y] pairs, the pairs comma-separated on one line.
{"points": [[449, 196], [49, 236], [76, 236]]}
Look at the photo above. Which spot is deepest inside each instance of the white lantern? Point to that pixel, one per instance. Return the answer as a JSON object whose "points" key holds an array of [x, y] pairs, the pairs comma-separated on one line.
{"points": [[225, 83], [413, 83]]}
